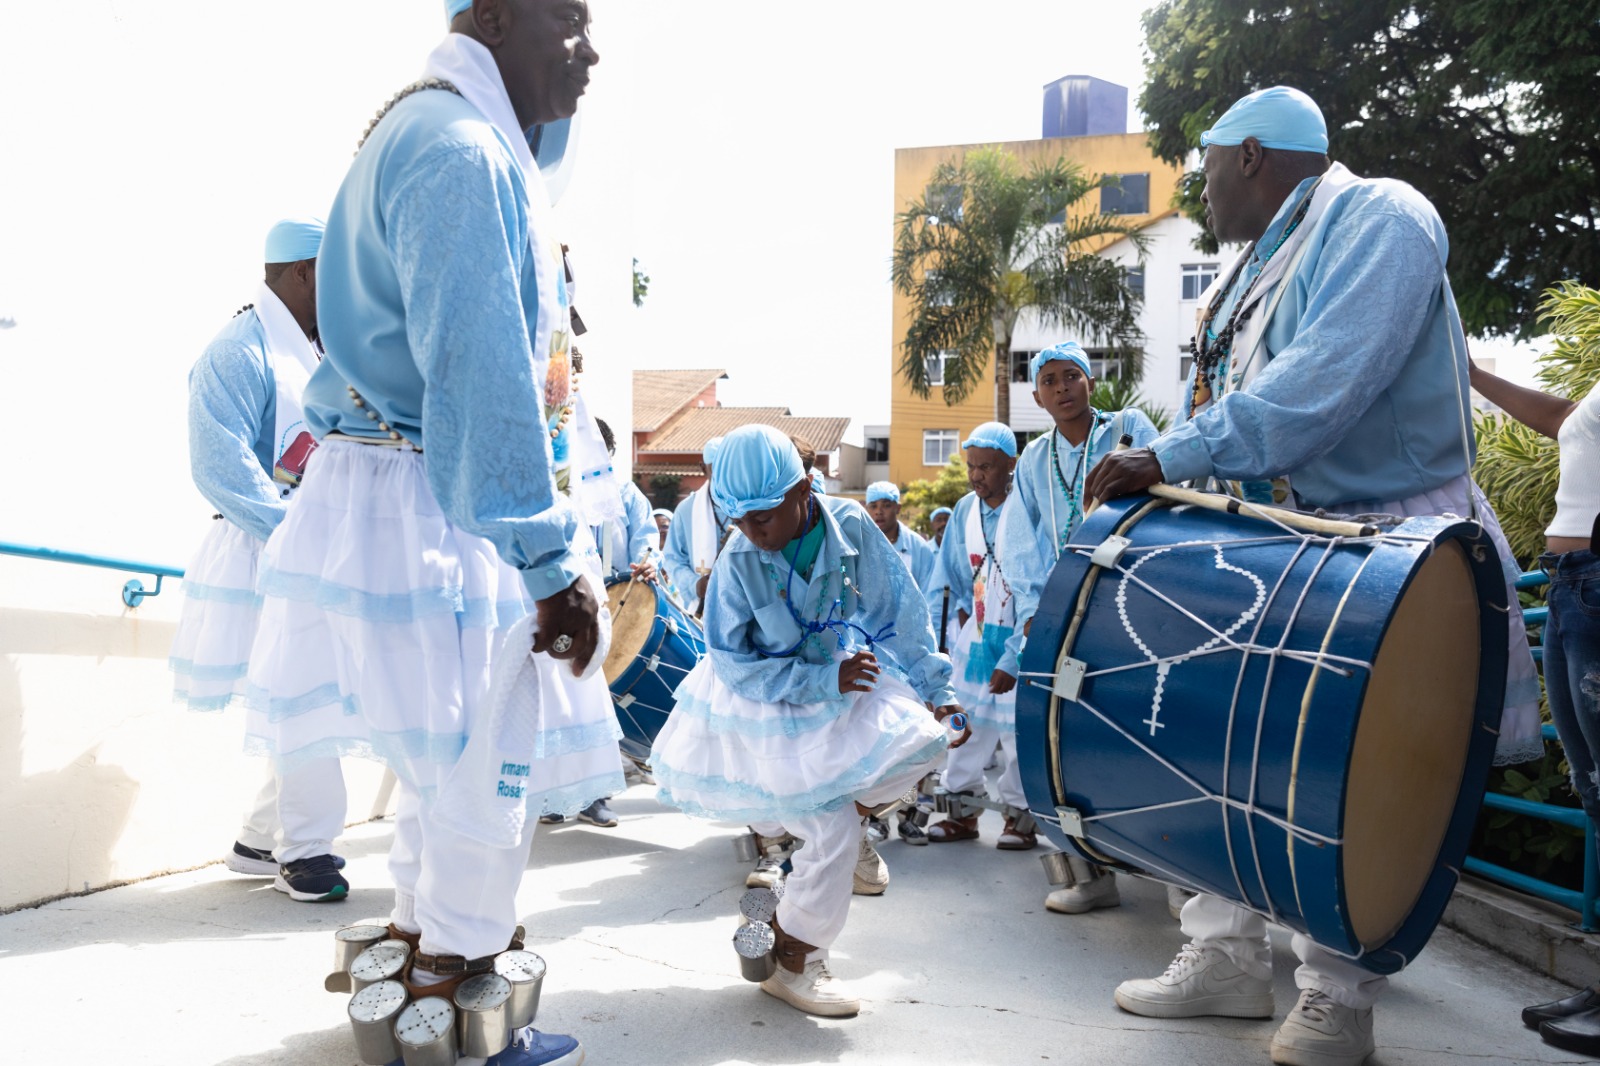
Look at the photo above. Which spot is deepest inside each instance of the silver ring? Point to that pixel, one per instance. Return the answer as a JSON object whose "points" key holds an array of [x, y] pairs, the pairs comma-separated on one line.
{"points": [[561, 644]]}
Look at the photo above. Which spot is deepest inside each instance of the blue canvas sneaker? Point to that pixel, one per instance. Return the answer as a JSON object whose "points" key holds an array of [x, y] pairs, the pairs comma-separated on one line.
{"points": [[529, 1047], [313, 880]]}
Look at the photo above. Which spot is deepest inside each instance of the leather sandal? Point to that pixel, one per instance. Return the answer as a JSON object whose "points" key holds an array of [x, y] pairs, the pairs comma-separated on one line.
{"points": [[1014, 839], [953, 829]]}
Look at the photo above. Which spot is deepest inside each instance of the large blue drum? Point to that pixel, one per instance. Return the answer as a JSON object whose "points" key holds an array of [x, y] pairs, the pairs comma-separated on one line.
{"points": [[1300, 723], [654, 645]]}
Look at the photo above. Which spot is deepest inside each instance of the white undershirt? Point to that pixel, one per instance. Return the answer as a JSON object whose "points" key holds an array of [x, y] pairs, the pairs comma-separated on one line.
{"points": [[1578, 493]]}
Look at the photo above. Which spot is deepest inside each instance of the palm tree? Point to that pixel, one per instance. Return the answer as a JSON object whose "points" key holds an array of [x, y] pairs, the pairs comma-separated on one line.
{"points": [[989, 241]]}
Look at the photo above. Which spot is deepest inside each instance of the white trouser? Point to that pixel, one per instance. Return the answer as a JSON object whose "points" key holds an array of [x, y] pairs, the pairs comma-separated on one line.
{"points": [[1213, 922], [964, 765], [463, 899], [816, 896], [311, 797]]}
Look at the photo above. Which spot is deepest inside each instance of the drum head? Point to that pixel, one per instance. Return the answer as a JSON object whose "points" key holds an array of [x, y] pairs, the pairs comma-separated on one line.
{"points": [[1411, 745], [631, 623]]}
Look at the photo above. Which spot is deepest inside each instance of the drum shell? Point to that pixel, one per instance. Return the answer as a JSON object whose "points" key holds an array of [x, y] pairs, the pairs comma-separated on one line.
{"points": [[1306, 740], [676, 642]]}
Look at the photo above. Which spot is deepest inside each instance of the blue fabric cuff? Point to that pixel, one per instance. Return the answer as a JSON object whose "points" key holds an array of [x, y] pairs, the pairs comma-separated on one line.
{"points": [[551, 575], [1008, 659], [1183, 455]]}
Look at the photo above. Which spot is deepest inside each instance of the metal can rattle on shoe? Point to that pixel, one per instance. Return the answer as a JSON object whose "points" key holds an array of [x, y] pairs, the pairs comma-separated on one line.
{"points": [[761, 904], [755, 942], [372, 1014], [349, 942], [481, 1002], [746, 848], [525, 971], [382, 961], [426, 1033]]}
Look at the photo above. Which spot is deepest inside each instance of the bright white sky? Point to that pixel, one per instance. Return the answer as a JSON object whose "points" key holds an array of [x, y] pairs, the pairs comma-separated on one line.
{"points": [[742, 150]]}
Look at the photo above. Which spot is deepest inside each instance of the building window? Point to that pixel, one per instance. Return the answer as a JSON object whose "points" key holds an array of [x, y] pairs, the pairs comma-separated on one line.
{"points": [[1197, 278], [938, 295], [1185, 364], [877, 449], [1025, 436], [1019, 366], [1136, 281], [944, 203], [1103, 366], [1130, 196], [935, 365], [938, 445]]}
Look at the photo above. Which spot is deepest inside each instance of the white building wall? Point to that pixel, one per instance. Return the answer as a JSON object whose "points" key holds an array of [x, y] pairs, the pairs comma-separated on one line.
{"points": [[1166, 321]]}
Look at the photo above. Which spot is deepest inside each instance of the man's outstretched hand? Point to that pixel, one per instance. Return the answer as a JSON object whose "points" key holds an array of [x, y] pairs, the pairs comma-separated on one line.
{"points": [[1123, 473]]}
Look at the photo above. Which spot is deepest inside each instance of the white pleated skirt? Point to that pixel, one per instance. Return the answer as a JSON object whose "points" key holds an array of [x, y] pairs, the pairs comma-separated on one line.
{"points": [[221, 611], [726, 757], [381, 623]]}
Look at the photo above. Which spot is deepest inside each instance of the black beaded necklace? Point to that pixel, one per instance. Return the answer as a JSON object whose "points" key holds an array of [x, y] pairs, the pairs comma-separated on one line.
{"points": [[1208, 353]]}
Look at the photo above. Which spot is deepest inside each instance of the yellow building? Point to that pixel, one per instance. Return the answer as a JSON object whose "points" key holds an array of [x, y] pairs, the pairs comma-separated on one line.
{"points": [[923, 433]]}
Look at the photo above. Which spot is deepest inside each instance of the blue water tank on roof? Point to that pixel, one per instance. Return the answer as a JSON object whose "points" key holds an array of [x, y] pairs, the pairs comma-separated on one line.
{"points": [[1081, 106]]}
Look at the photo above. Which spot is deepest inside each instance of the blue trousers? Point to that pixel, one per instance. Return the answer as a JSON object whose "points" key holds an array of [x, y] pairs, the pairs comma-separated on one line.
{"points": [[1572, 667]]}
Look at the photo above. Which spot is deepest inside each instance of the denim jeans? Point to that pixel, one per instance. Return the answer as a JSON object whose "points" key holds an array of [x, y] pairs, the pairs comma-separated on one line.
{"points": [[1572, 666]]}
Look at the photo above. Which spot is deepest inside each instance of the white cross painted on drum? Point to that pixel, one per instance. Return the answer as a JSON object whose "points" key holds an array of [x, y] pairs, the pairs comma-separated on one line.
{"points": [[1164, 667]]}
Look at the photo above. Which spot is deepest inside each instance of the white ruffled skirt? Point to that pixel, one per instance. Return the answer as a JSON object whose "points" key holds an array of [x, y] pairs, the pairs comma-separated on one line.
{"points": [[221, 610], [381, 625], [723, 756]]}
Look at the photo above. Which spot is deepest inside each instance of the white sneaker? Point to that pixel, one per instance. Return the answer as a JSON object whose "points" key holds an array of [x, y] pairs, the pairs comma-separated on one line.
{"points": [[767, 874], [1085, 896], [872, 873], [1320, 1032], [813, 990], [1176, 898], [1200, 982]]}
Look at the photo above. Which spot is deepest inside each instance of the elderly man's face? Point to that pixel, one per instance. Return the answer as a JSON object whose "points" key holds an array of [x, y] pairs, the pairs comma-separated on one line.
{"points": [[1223, 195], [548, 54]]}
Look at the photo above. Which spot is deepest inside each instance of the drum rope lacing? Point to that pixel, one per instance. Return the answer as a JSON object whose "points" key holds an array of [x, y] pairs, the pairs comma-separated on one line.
{"points": [[1222, 642]]}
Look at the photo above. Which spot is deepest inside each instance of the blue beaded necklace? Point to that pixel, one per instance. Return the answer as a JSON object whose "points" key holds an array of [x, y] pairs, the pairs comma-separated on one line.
{"points": [[1073, 489]]}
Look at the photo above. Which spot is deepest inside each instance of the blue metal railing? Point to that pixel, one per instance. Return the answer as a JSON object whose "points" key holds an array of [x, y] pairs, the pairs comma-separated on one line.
{"points": [[1583, 902], [133, 592]]}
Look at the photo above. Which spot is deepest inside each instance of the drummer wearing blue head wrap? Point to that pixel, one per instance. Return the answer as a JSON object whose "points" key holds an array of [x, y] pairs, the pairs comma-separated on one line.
{"points": [[1329, 372], [810, 709], [937, 521]]}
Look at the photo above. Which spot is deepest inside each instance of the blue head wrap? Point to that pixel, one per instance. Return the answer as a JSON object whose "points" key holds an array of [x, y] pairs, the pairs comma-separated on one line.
{"points": [[452, 8], [1279, 117], [754, 468], [1071, 351], [293, 239], [996, 435], [937, 511], [883, 490], [709, 453]]}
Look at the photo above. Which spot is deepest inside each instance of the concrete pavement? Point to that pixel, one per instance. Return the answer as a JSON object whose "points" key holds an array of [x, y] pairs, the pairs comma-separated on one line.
{"points": [[959, 964]]}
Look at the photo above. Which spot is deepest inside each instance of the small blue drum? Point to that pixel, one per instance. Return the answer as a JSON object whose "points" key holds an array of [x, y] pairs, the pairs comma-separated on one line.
{"points": [[1300, 722], [654, 645]]}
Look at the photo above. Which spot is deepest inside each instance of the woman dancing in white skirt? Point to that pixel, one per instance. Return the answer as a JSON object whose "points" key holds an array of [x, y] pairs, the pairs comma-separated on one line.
{"points": [[812, 706]]}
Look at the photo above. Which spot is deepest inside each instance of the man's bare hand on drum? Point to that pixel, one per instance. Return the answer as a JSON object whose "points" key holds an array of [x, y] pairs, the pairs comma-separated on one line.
{"points": [[569, 625], [859, 673], [1123, 473], [1001, 682], [645, 572], [966, 726]]}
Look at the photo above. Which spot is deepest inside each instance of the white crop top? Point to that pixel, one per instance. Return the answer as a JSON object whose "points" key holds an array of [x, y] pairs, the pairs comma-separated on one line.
{"points": [[1578, 493]]}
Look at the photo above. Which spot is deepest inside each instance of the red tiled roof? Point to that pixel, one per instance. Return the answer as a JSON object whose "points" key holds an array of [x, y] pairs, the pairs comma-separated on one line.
{"points": [[689, 432], [658, 395]]}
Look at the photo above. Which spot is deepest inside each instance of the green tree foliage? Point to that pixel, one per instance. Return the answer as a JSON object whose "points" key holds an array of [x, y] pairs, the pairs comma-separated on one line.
{"points": [[921, 498], [1486, 106], [990, 240], [1517, 468], [1114, 394], [641, 285]]}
